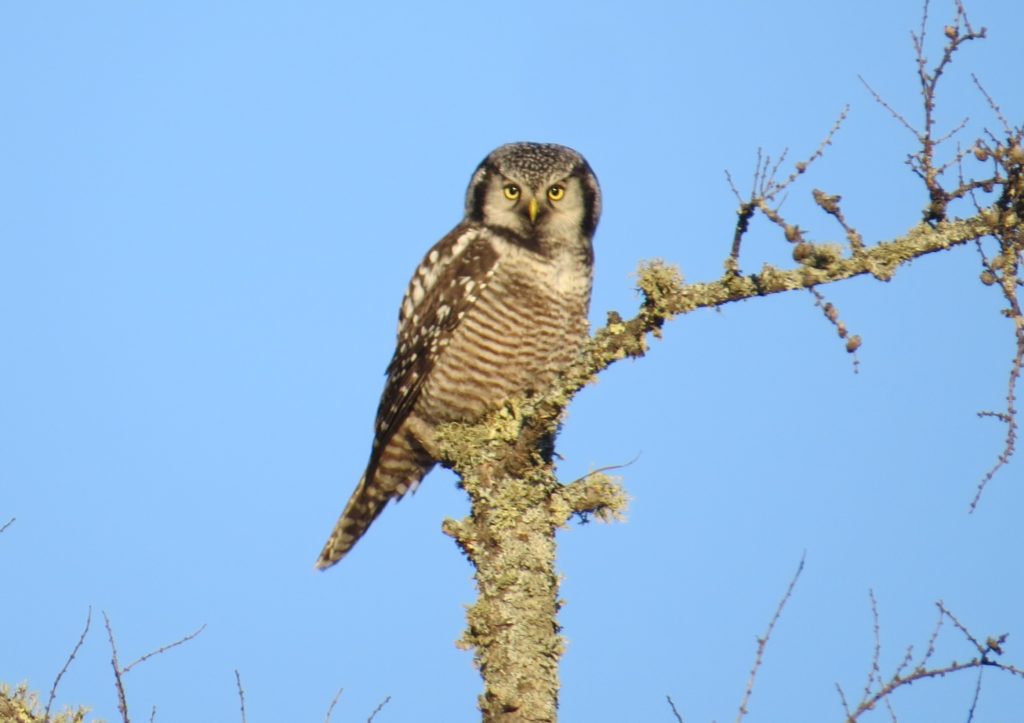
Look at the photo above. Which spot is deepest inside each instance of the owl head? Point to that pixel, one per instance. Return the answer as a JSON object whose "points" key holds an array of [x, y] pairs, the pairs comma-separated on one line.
{"points": [[535, 190]]}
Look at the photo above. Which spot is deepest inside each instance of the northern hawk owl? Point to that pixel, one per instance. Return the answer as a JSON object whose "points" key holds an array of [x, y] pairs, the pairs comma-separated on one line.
{"points": [[496, 308]]}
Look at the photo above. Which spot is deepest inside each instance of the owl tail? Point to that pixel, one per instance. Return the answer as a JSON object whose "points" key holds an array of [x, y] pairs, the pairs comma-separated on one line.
{"points": [[399, 468]]}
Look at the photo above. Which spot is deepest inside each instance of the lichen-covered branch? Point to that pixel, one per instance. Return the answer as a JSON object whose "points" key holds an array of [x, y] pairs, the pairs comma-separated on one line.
{"points": [[518, 504], [20, 705], [505, 462]]}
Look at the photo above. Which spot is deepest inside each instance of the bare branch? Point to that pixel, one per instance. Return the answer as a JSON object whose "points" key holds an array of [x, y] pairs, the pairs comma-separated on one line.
{"points": [[892, 111], [977, 696], [1008, 417], [905, 675], [943, 610], [949, 136], [675, 712], [119, 672], [67, 663], [922, 162], [764, 191], [378, 709], [875, 672], [241, 694], [334, 702], [842, 700], [122, 700], [1004, 272], [164, 648], [993, 106], [762, 642], [801, 166], [7, 524]]}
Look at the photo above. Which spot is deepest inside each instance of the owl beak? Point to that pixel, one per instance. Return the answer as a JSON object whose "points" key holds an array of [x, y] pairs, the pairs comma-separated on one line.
{"points": [[533, 209]]}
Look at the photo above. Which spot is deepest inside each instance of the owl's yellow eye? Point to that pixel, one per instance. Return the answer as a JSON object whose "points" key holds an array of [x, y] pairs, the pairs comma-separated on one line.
{"points": [[556, 193], [511, 191]]}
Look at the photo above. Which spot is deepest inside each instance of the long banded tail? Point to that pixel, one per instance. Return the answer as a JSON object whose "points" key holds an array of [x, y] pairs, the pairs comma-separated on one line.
{"points": [[399, 468]]}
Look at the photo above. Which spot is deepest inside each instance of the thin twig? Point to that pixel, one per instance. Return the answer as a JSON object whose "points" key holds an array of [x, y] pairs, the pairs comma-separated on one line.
{"points": [[334, 702], [976, 697], [732, 185], [762, 641], [378, 709], [993, 106], [241, 694], [164, 648], [875, 672], [1009, 417], [842, 699], [7, 524], [892, 111], [801, 166], [1007, 276], [67, 663], [769, 188], [608, 468], [122, 701], [930, 650], [949, 135], [672, 705], [960, 626]]}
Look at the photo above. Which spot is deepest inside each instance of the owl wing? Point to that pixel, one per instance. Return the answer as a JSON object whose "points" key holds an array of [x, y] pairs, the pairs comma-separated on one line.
{"points": [[444, 288]]}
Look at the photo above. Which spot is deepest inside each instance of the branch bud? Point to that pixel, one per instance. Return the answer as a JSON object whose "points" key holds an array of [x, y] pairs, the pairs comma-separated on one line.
{"points": [[802, 252]]}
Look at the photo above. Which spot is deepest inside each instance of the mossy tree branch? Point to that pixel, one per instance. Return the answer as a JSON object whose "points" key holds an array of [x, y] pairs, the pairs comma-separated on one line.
{"points": [[517, 503], [505, 462]]}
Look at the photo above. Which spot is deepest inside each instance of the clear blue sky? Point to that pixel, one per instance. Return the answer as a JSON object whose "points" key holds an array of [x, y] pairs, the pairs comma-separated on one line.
{"points": [[208, 214]]}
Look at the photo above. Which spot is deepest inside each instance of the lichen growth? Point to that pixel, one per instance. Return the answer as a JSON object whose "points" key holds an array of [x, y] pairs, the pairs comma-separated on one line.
{"points": [[661, 284], [21, 705]]}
